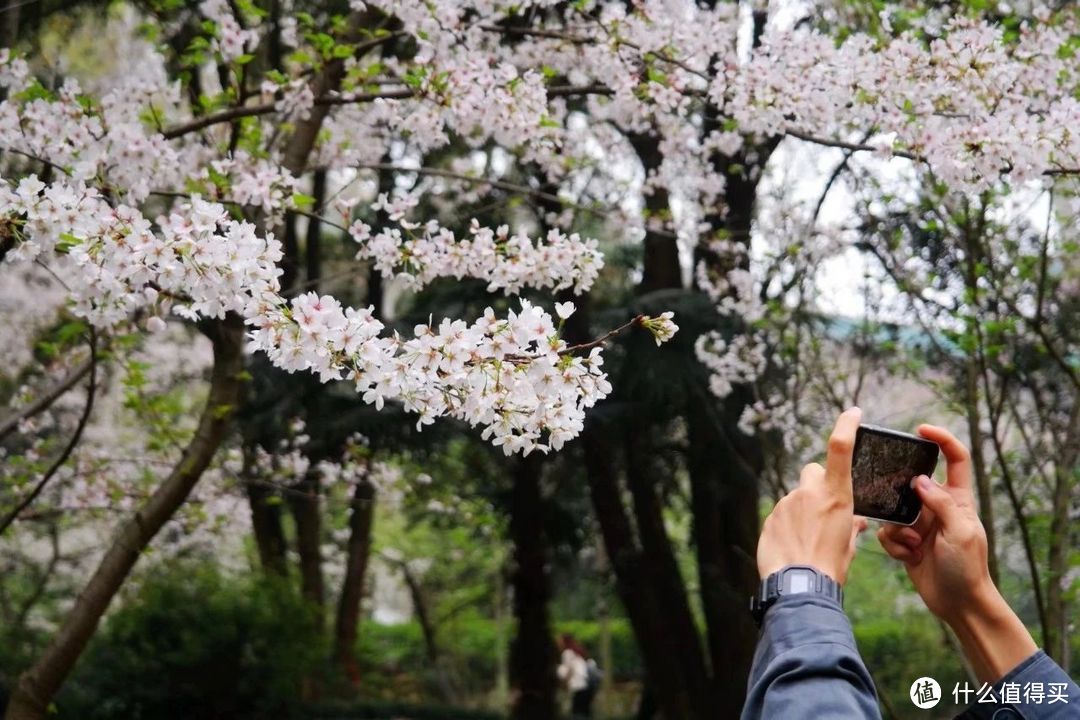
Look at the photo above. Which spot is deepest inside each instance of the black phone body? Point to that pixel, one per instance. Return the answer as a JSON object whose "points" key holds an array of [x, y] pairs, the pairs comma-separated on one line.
{"points": [[883, 465]]}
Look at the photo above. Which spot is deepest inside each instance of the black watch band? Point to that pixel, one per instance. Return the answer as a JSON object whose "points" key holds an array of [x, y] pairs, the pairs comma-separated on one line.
{"points": [[793, 580]]}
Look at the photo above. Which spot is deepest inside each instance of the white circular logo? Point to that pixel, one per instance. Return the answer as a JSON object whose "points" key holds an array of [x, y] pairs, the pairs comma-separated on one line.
{"points": [[925, 693]]}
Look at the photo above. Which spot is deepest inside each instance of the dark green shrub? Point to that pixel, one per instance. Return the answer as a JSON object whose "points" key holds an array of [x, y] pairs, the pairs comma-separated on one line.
{"points": [[193, 643]]}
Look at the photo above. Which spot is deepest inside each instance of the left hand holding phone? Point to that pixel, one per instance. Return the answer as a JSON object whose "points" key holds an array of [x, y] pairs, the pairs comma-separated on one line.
{"points": [[815, 524]]}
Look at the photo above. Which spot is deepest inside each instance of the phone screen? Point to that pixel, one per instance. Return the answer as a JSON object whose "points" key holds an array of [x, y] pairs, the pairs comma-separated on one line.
{"points": [[884, 464]]}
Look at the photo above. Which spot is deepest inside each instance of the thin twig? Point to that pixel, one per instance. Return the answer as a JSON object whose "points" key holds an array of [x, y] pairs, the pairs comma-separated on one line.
{"points": [[43, 402], [91, 390]]}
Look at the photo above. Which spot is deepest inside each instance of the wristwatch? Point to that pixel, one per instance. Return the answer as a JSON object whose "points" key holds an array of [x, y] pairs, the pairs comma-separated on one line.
{"points": [[793, 580]]}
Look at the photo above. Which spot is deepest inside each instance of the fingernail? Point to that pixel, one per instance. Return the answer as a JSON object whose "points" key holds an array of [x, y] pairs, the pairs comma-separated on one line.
{"points": [[924, 481], [854, 408]]}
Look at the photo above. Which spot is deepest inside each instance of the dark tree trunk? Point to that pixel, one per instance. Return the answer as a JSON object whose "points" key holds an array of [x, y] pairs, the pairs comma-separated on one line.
{"points": [[352, 588], [266, 525], [36, 688], [662, 569], [648, 604], [313, 237], [661, 268], [724, 500], [423, 614], [304, 504], [659, 648], [532, 653]]}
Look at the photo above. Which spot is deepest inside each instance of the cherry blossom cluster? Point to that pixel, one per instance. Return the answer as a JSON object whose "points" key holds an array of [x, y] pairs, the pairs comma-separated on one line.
{"points": [[199, 262], [973, 106], [514, 377], [422, 253]]}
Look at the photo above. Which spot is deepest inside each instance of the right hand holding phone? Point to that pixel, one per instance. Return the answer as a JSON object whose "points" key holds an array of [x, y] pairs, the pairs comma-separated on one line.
{"points": [[945, 554], [945, 551]]}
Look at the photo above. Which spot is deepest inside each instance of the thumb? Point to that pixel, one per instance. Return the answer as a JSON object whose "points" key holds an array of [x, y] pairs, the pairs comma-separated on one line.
{"points": [[937, 499]]}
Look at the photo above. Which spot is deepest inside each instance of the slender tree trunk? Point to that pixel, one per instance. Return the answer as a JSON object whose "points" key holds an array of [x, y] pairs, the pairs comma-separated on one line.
{"points": [[313, 237], [1056, 641], [352, 587], [423, 614], [978, 462], [532, 654], [37, 686]]}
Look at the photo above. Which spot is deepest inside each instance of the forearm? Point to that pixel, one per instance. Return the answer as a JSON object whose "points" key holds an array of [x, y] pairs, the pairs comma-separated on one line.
{"points": [[807, 665], [993, 638]]}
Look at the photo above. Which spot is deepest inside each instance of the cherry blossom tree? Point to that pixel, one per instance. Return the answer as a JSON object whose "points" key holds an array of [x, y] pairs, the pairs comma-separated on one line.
{"points": [[165, 194]]}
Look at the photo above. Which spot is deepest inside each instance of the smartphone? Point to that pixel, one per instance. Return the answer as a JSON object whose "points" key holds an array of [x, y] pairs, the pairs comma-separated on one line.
{"points": [[883, 465]]}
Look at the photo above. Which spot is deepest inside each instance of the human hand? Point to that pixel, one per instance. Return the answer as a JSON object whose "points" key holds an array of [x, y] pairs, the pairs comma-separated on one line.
{"points": [[945, 554], [945, 551], [815, 524]]}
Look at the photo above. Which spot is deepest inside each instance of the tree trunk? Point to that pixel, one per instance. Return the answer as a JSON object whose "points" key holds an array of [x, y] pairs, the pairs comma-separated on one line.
{"points": [[266, 524], [423, 615], [724, 501], [352, 587], [36, 687], [662, 571], [313, 237], [978, 463], [639, 597], [661, 267], [1056, 642], [532, 654], [304, 504]]}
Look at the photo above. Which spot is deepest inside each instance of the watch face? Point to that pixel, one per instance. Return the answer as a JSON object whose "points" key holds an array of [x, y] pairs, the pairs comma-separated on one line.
{"points": [[798, 581]]}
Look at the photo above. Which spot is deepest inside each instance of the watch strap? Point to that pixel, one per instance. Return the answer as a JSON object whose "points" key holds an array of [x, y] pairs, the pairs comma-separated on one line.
{"points": [[773, 588]]}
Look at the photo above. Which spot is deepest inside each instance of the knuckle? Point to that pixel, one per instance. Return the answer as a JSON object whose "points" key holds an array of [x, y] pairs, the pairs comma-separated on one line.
{"points": [[840, 443]]}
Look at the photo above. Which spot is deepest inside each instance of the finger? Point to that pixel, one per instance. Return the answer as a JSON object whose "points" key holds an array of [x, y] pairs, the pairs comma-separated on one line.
{"points": [[956, 455], [840, 448], [901, 535], [938, 499], [926, 524], [858, 525], [898, 551]]}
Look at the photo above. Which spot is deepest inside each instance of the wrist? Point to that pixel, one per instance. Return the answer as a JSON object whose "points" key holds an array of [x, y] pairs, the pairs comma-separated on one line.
{"points": [[983, 605], [993, 638]]}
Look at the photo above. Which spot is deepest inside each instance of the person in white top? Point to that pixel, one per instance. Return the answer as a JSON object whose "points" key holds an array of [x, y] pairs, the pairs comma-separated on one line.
{"points": [[580, 675]]}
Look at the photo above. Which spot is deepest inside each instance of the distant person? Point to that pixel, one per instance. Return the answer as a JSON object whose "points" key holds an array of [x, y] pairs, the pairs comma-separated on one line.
{"points": [[580, 674], [807, 665]]}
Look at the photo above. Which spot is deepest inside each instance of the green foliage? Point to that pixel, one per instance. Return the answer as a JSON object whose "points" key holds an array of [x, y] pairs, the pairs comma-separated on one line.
{"points": [[470, 646], [194, 643]]}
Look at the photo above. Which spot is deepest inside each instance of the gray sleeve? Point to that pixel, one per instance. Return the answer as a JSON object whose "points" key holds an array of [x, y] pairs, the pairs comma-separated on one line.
{"points": [[1014, 696], [807, 666]]}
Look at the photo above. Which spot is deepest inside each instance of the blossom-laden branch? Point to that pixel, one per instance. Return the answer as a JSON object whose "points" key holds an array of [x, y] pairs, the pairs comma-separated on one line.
{"points": [[509, 375]]}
